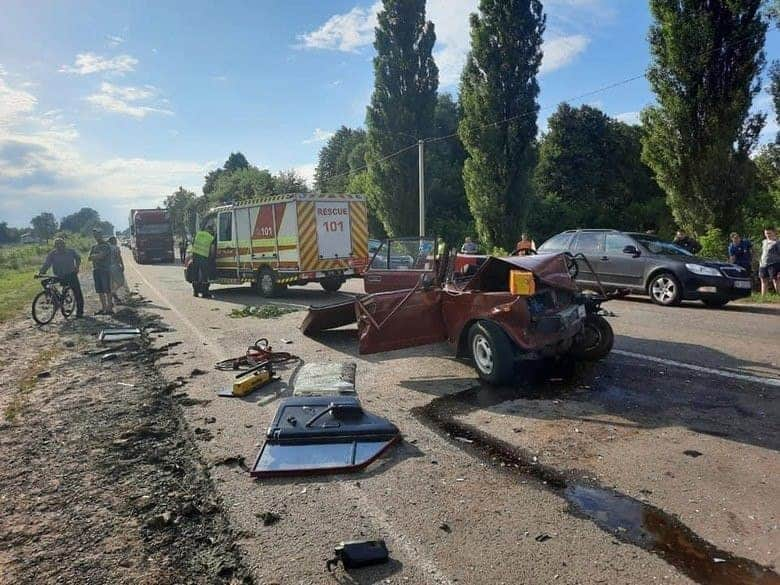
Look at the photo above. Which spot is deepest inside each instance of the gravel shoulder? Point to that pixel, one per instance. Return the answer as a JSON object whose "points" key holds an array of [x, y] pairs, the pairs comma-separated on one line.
{"points": [[101, 480]]}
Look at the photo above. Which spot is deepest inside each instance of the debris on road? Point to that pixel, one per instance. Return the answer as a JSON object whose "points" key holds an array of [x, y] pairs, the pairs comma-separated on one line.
{"points": [[262, 312], [322, 434], [358, 553], [119, 334], [331, 378], [268, 518], [692, 453], [250, 380]]}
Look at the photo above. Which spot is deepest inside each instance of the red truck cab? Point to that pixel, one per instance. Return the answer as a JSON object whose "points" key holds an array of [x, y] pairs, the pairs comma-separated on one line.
{"points": [[151, 235]]}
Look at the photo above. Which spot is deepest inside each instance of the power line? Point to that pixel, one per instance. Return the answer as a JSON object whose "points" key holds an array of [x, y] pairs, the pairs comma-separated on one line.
{"points": [[609, 86]]}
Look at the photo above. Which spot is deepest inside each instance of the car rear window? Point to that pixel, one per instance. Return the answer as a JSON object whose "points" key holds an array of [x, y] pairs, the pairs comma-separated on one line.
{"points": [[616, 243], [556, 243]]}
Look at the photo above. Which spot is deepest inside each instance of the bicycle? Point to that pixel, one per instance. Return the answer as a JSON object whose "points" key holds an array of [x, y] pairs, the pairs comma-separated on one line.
{"points": [[55, 296]]}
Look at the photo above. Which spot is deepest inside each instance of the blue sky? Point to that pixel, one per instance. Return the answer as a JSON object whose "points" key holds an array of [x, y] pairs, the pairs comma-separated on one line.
{"points": [[114, 105]]}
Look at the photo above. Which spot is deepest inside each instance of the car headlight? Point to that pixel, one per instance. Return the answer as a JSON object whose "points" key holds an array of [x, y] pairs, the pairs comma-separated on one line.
{"points": [[703, 270]]}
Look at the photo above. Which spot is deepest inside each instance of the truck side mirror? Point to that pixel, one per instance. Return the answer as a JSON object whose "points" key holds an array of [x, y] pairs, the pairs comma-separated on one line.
{"points": [[632, 250]]}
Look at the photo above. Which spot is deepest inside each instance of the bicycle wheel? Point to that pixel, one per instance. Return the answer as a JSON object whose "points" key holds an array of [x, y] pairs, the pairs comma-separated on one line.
{"points": [[44, 307], [68, 302]]}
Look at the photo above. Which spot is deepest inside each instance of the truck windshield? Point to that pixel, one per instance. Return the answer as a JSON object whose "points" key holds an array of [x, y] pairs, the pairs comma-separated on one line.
{"points": [[152, 229]]}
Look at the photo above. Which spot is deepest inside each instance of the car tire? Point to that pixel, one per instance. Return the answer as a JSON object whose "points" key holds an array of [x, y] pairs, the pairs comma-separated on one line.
{"points": [[665, 290], [492, 353], [716, 303], [596, 340], [267, 285], [331, 284]]}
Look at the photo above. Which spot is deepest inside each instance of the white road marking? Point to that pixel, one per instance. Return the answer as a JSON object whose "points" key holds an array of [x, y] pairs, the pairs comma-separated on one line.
{"points": [[423, 562], [702, 369]]}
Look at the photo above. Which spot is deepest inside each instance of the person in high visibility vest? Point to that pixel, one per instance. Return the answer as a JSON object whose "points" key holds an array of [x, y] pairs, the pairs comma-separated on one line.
{"points": [[203, 255]]}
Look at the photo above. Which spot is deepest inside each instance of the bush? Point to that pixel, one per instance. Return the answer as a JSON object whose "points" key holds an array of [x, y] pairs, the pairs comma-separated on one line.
{"points": [[714, 245]]}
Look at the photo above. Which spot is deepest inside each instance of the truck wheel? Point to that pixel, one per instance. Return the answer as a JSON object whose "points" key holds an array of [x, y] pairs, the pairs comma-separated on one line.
{"points": [[665, 289], [596, 339], [331, 284], [266, 283], [492, 353]]}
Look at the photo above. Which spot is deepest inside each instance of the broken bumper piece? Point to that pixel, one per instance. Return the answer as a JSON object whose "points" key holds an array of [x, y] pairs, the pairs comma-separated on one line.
{"points": [[322, 434]]}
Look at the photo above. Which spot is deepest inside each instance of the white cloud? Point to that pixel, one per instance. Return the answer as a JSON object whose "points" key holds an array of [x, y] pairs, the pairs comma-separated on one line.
{"points": [[124, 99], [42, 165], [344, 32], [632, 118], [307, 172], [355, 29], [114, 40], [560, 51], [89, 63], [319, 135], [14, 102]]}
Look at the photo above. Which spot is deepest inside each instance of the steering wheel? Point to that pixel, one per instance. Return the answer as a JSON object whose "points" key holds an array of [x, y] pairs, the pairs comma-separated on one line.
{"points": [[571, 265]]}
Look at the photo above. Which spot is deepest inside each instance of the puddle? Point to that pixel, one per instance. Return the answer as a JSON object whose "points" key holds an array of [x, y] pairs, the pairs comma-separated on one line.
{"points": [[625, 518]]}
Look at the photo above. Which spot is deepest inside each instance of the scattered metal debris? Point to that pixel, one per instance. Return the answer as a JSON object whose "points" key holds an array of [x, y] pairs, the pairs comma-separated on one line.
{"points": [[318, 379], [118, 334], [359, 553], [322, 434]]}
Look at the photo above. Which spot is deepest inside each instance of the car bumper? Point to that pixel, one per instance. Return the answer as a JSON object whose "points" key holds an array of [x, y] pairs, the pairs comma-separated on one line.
{"points": [[704, 287]]}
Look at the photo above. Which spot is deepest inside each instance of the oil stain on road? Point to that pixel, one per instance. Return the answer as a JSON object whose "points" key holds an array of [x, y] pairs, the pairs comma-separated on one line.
{"points": [[623, 517]]}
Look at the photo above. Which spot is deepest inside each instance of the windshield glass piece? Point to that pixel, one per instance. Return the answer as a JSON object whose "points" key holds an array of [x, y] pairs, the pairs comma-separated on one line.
{"points": [[660, 247], [322, 434]]}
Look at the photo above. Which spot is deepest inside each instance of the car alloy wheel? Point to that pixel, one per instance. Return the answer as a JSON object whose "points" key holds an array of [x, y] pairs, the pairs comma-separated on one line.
{"points": [[665, 290], [483, 353]]}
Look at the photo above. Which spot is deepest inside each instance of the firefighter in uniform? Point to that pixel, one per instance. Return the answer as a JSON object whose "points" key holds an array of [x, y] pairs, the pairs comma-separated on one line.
{"points": [[203, 255]]}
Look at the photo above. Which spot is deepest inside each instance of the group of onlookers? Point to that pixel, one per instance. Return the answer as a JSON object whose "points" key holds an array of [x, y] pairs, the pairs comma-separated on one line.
{"points": [[108, 271], [740, 252]]}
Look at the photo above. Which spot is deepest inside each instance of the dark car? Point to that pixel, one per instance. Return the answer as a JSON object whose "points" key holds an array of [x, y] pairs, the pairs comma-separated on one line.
{"points": [[646, 264]]}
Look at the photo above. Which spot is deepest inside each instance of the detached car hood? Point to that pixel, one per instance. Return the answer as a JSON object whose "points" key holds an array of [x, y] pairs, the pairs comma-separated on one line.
{"points": [[550, 269]]}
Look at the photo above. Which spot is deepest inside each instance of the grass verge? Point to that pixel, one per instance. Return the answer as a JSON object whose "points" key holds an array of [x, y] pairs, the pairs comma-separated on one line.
{"points": [[770, 299]]}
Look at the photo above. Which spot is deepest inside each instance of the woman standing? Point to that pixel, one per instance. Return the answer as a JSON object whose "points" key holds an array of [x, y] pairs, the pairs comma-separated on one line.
{"points": [[117, 269]]}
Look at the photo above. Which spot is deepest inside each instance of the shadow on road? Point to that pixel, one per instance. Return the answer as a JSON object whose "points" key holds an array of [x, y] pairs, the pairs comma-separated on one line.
{"points": [[642, 394]]}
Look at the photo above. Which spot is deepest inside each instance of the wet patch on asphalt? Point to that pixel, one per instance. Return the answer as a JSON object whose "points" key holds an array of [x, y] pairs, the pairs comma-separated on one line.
{"points": [[625, 518]]}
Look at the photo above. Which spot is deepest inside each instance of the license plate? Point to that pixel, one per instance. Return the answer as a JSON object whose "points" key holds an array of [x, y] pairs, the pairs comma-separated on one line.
{"points": [[743, 284]]}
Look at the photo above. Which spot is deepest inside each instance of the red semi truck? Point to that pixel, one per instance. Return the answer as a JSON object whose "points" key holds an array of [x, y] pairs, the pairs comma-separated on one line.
{"points": [[151, 233]]}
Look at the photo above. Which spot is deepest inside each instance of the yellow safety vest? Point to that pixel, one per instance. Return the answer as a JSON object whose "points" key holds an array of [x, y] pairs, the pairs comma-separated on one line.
{"points": [[201, 245]]}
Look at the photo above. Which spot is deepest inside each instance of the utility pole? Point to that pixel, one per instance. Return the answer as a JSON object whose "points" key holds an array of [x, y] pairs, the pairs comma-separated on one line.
{"points": [[421, 172]]}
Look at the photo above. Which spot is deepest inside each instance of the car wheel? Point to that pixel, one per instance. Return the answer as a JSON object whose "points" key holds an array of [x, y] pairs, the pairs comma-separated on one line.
{"points": [[492, 353], [665, 289], [266, 283], [715, 303], [596, 339], [331, 284]]}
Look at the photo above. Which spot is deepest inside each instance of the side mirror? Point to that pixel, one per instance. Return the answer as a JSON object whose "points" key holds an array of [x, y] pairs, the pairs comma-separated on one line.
{"points": [[632, 250]]}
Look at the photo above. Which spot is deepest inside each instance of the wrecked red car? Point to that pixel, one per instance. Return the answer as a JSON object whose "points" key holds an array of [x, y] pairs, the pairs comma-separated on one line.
{"points": [[479, 315]]}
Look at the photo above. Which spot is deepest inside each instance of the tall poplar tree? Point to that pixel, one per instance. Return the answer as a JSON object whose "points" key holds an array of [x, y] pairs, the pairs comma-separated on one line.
{"points": [[401, 111], [707, 57], [499, 104]]}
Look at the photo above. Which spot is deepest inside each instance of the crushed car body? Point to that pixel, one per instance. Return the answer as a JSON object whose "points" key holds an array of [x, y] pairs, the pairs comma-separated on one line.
{"points": [[481, 316]]}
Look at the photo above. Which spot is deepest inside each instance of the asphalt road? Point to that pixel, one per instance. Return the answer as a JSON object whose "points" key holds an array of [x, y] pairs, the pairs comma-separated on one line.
{"points": [[658, 464]]}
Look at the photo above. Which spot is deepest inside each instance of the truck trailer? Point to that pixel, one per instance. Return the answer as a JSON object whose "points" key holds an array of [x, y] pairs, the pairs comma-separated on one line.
{"points": [[151, 235], [286, 240]]}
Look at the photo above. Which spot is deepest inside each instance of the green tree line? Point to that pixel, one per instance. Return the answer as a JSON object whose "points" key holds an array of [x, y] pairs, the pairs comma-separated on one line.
{"points": [[45, 226]]}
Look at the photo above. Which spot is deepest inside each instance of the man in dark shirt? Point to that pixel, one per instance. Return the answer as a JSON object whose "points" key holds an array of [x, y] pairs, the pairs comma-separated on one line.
{"points": [[740, 252], [100, 255], [682, 240], [65, 263]]}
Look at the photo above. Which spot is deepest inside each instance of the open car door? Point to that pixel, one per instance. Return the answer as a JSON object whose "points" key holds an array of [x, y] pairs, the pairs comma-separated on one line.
{"points": [[398, 264], [400, 319]]}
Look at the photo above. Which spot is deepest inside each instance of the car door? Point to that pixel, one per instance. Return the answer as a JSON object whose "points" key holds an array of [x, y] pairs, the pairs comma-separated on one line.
{"points": [[399, 319], [227, 259], [618, 268], [399, 264], [590, 245]]}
